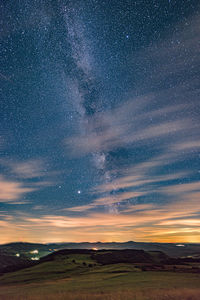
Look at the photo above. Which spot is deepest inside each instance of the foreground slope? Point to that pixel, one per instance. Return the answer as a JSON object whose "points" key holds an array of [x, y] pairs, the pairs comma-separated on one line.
{"points": [[84, 274]]}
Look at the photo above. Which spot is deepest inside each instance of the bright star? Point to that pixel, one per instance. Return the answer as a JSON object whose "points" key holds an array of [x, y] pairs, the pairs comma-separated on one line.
{"points": [[79, 192]]}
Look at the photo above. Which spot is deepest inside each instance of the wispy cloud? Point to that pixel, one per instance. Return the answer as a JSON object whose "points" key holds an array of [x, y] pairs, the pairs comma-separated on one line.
{"points": [[106, 201], [184, 189], [12, 190], [127, 125], [25, 169], [174, 222], [141, 179], [187, 146], [22, 177]]}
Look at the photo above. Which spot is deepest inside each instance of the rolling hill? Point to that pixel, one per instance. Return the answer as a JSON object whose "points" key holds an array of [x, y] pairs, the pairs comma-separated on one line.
{"points": [[104, 274]]}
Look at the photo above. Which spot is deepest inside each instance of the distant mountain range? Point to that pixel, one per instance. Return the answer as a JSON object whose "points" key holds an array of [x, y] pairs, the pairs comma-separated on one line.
{"points": [[34, 251]]}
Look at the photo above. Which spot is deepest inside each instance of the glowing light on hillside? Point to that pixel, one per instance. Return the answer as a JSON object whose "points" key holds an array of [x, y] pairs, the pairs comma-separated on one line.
{"points": [[34, 251]]}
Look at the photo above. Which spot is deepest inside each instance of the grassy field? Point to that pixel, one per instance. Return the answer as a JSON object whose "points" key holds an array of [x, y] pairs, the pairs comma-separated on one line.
{"points": [[78, 277]]}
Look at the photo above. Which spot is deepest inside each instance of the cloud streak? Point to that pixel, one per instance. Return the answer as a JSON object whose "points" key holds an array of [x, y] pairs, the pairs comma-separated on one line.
{"points": [[25, 169], [174, 222], [12, 190], [24, 177]]}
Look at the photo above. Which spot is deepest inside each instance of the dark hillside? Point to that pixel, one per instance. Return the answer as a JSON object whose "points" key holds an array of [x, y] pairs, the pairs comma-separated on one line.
{"points": [[10, 263], [110, 256], [122, 256]]}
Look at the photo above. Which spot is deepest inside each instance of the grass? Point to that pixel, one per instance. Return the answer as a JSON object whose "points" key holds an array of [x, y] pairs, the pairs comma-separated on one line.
{"points": [[68, 278], [178, 294]]}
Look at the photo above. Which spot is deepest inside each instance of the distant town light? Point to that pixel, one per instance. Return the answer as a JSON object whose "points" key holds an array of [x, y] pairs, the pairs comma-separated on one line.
{"points": [[95, 249], [34, 251], [17, 254], [34, 258]]}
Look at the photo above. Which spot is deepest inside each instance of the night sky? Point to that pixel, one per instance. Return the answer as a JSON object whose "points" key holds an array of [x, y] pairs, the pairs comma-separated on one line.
{"points": [[100, 121]]}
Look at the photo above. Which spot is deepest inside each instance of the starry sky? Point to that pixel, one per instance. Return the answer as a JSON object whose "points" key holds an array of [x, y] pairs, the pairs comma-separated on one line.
{"points": [[100, 121]]}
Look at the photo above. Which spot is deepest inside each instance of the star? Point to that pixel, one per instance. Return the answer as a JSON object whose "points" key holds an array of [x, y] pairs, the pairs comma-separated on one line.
{"points": [[79, 192]]}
